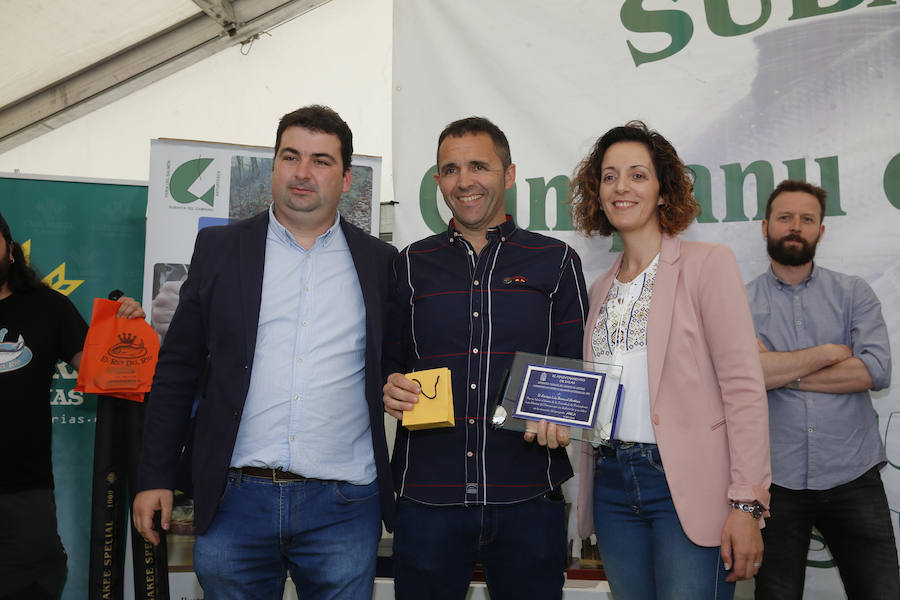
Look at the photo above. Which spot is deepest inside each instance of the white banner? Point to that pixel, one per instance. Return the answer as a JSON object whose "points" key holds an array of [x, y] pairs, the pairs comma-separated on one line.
{"points": [[750, 93], [197, 184]]}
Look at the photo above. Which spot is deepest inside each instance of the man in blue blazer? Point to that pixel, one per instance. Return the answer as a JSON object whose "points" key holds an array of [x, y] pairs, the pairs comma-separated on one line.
{"points": [[279, 328]]}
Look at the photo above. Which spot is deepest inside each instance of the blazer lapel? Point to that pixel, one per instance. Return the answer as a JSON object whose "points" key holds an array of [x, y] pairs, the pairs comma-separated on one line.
{"points": [[596, 297], [362, 259], [662, 304], [251, 263]]}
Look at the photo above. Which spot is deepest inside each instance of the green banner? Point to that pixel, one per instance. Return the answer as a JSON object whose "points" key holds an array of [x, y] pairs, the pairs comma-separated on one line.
{"points": [[85, 239]]}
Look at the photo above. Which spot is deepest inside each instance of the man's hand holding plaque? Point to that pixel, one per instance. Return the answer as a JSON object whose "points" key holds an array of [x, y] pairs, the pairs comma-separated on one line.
{"points": [[554, 400], [547, 434]]}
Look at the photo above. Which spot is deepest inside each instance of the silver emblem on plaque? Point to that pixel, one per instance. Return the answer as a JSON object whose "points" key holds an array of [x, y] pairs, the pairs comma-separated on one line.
{"points": [[499, 417]]}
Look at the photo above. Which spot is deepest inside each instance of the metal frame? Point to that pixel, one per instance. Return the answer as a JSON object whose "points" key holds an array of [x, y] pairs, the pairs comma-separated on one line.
{"points": [[223, 23]]}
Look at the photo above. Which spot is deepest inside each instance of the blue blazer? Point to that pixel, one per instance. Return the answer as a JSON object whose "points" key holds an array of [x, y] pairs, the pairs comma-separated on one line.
{"points": [[210, 345]]}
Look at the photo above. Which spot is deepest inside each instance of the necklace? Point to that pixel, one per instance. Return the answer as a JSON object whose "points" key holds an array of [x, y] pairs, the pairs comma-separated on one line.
{"points": [[620, 309], [619, 314]]}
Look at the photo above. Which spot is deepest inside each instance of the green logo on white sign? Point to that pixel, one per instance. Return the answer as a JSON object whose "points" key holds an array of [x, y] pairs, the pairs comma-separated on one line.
{"points": [[184, 178]]}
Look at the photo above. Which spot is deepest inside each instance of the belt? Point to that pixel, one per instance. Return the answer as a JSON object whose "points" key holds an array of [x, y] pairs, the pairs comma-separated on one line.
{"points": [[616, 445], [274, 475]]}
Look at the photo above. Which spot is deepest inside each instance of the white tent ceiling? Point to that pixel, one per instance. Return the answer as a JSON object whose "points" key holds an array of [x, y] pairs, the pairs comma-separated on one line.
{"points": [[65, 59]]}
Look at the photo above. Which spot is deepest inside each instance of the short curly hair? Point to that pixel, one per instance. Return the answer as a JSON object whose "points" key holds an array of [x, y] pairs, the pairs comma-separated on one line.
{"points": [[675, 183]]}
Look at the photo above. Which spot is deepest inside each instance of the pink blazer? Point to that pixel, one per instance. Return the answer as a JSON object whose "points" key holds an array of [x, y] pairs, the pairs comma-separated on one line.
{"points": [[707, 396]]}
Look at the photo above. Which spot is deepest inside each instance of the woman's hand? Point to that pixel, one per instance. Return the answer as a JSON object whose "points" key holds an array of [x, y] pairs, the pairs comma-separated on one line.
{"points": [[742, 545]]}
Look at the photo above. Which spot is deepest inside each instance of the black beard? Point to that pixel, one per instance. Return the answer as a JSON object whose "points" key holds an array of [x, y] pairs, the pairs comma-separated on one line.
{"points": [[791, 256]]}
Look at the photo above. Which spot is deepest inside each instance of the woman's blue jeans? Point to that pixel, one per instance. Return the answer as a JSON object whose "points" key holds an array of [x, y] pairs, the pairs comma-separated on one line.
{"points": [[645, 552]]}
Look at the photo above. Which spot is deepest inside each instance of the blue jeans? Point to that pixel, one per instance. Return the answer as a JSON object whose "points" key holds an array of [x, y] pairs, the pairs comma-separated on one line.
{"points": [[324, 532], [855, 521], [645, 552], [521, 546]]}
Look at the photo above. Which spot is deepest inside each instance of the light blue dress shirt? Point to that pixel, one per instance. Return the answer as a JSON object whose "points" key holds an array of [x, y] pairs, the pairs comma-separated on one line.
{"points": [[820, 440], [306, 409]]}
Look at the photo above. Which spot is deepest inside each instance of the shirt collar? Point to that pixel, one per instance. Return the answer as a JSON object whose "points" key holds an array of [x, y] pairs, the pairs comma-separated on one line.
{"points": [[502, 231], [781, 284], [281, 233]]}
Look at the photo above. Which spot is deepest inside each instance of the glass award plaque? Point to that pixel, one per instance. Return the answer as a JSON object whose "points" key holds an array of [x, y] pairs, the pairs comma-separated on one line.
{"points": [[581, 394]]}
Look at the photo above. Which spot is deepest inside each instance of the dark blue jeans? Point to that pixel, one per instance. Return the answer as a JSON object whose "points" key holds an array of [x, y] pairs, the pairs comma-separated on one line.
{"points": [[854, 520], [325, 533], [521, 546], [646, 554]]}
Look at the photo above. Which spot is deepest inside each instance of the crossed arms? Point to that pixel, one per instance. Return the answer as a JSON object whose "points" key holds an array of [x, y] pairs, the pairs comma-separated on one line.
{"points": [[829, 368]]}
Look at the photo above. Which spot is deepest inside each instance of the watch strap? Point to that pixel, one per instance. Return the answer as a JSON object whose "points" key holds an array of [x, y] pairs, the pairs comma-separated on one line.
{"points": [[755, 509]]}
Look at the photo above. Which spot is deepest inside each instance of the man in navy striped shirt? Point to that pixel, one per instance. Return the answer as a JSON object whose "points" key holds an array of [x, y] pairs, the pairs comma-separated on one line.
{"points": [[468, 298]]}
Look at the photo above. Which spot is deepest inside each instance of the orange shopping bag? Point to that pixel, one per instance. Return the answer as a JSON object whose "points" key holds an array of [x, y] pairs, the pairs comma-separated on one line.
{"points": [[119, 355]]}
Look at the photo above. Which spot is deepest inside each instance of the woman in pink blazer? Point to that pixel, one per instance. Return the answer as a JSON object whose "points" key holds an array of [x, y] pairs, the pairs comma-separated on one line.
{"points": [[677, 496]]}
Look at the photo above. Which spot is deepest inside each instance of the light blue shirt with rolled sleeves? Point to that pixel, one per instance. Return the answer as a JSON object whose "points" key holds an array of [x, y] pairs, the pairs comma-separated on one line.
{"points": [[820, 440], [306, 409]]}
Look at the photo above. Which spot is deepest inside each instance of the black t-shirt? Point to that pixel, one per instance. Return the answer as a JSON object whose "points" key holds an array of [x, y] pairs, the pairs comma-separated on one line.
{"points": [[38, 329]]}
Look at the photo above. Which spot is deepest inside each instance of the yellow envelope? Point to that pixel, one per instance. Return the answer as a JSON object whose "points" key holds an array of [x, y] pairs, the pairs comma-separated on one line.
{"points": [[435, 405]]}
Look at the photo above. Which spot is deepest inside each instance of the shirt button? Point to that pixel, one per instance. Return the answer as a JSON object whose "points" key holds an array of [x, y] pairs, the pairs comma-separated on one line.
{"points": [[299, 360], [475, 314], [292, 438], [810, 429], [305, 288], [798, 323], [471, 253], [475, 282], [472, 385], [474, 350], [297, 397], [471, 421], [470, 454], [503, 239], [303, 323]]}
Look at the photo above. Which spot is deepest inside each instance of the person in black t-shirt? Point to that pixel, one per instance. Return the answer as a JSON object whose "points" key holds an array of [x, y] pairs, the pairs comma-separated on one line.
{"points": [[38, 327]]}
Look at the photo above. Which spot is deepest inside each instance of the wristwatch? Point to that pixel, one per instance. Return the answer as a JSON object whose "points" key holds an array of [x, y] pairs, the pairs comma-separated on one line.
{"points": [[754, 508]]}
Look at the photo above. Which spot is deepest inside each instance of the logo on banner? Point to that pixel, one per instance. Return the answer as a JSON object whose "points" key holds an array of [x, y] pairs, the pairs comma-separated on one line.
{"points": [[192, 181], [679, 25], [56, 278]]}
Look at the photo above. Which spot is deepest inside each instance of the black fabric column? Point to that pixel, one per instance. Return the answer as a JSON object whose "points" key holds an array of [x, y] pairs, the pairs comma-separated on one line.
{"points": [[117, 446], [151, 571]]}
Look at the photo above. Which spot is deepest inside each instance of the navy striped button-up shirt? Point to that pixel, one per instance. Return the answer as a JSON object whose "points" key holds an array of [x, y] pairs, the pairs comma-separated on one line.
{"points": [[472, 312]]}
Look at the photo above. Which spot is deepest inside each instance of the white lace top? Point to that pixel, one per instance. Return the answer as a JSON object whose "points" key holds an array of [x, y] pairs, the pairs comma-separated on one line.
{"points": [[620, 337]]}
